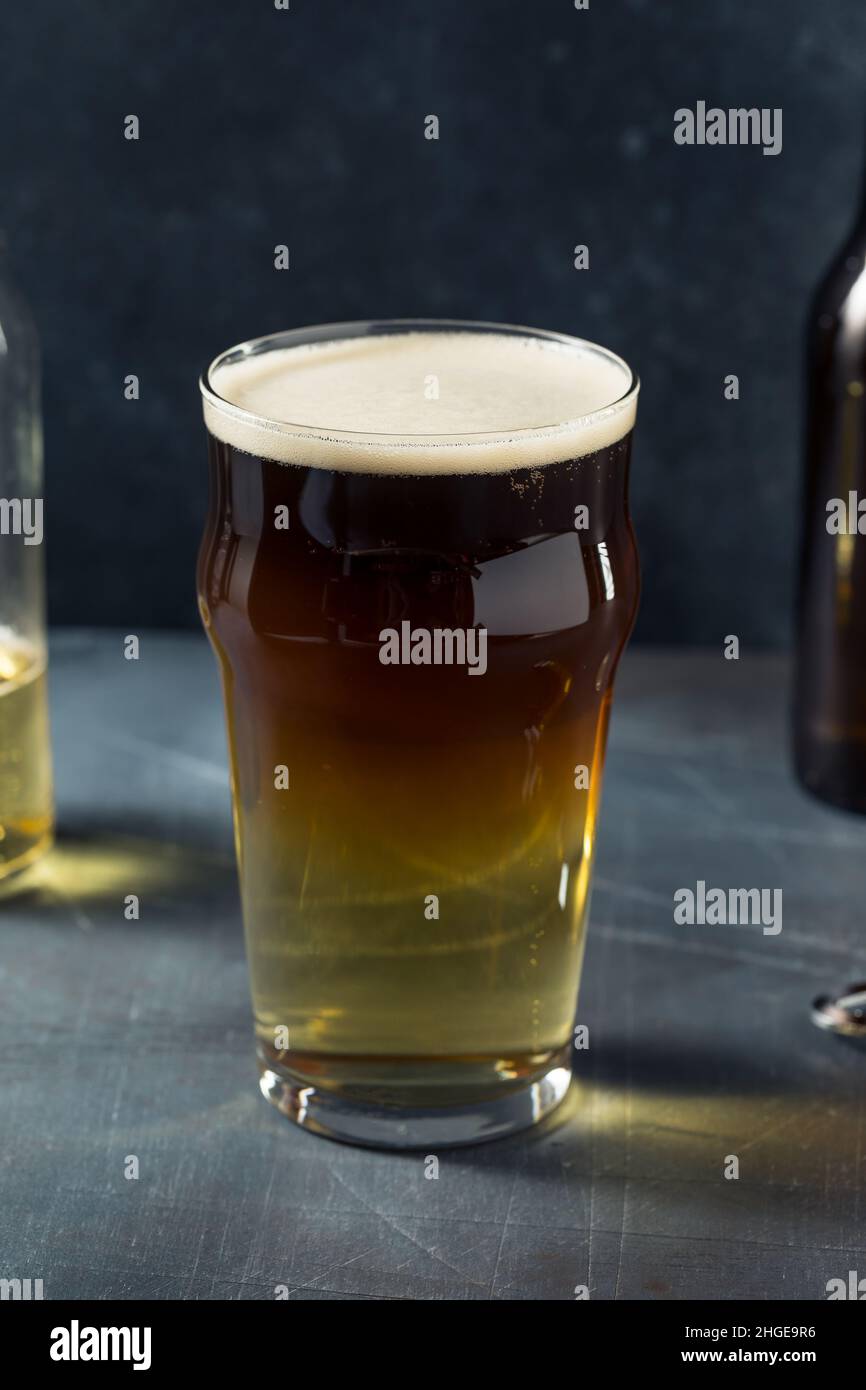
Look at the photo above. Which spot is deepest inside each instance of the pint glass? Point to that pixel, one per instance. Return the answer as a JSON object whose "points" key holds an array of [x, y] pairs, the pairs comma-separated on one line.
{"points": [[26, 803], [418, 574]]}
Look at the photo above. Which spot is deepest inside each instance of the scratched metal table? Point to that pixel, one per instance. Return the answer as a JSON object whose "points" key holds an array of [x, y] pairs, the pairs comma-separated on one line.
{"points": [[123, 1039]]}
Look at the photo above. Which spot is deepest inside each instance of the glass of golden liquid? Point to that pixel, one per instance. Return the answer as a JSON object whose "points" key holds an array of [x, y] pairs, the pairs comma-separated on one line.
{"points": [[418, 574], [26, 808]]}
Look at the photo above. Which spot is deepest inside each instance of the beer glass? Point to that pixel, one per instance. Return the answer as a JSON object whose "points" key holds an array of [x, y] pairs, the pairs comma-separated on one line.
{"points": [[26, 810], [418, 574]]}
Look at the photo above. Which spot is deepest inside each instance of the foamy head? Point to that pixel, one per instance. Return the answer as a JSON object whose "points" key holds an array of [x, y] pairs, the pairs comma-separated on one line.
{"points": [[456, 399]]}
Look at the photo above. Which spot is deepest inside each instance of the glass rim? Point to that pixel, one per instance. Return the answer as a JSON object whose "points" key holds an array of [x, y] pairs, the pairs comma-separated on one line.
{"points": [[359, 328]]}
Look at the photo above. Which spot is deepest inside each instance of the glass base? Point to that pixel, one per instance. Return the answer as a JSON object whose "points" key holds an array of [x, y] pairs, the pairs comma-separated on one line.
{"points": [[389, 1124], [25, 855]]}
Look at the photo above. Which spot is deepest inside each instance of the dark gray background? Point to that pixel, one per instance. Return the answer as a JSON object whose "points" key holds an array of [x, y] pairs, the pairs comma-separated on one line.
{"points": [[260, 127]]}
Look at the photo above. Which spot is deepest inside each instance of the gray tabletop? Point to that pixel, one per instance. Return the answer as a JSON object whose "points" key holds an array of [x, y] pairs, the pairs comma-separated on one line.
{"points": [[132, 1039]]}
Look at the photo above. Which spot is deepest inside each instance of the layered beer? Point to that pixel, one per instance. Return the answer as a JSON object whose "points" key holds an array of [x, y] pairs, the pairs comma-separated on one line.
{"points": [[415, 826]]}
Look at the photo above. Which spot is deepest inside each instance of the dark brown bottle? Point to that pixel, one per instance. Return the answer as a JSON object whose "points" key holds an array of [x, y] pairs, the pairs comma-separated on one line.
{"points": [[830, 681]]}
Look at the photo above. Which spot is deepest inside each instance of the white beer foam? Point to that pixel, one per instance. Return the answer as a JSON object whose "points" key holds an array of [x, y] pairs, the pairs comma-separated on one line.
{"points": [[422, 402]]}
